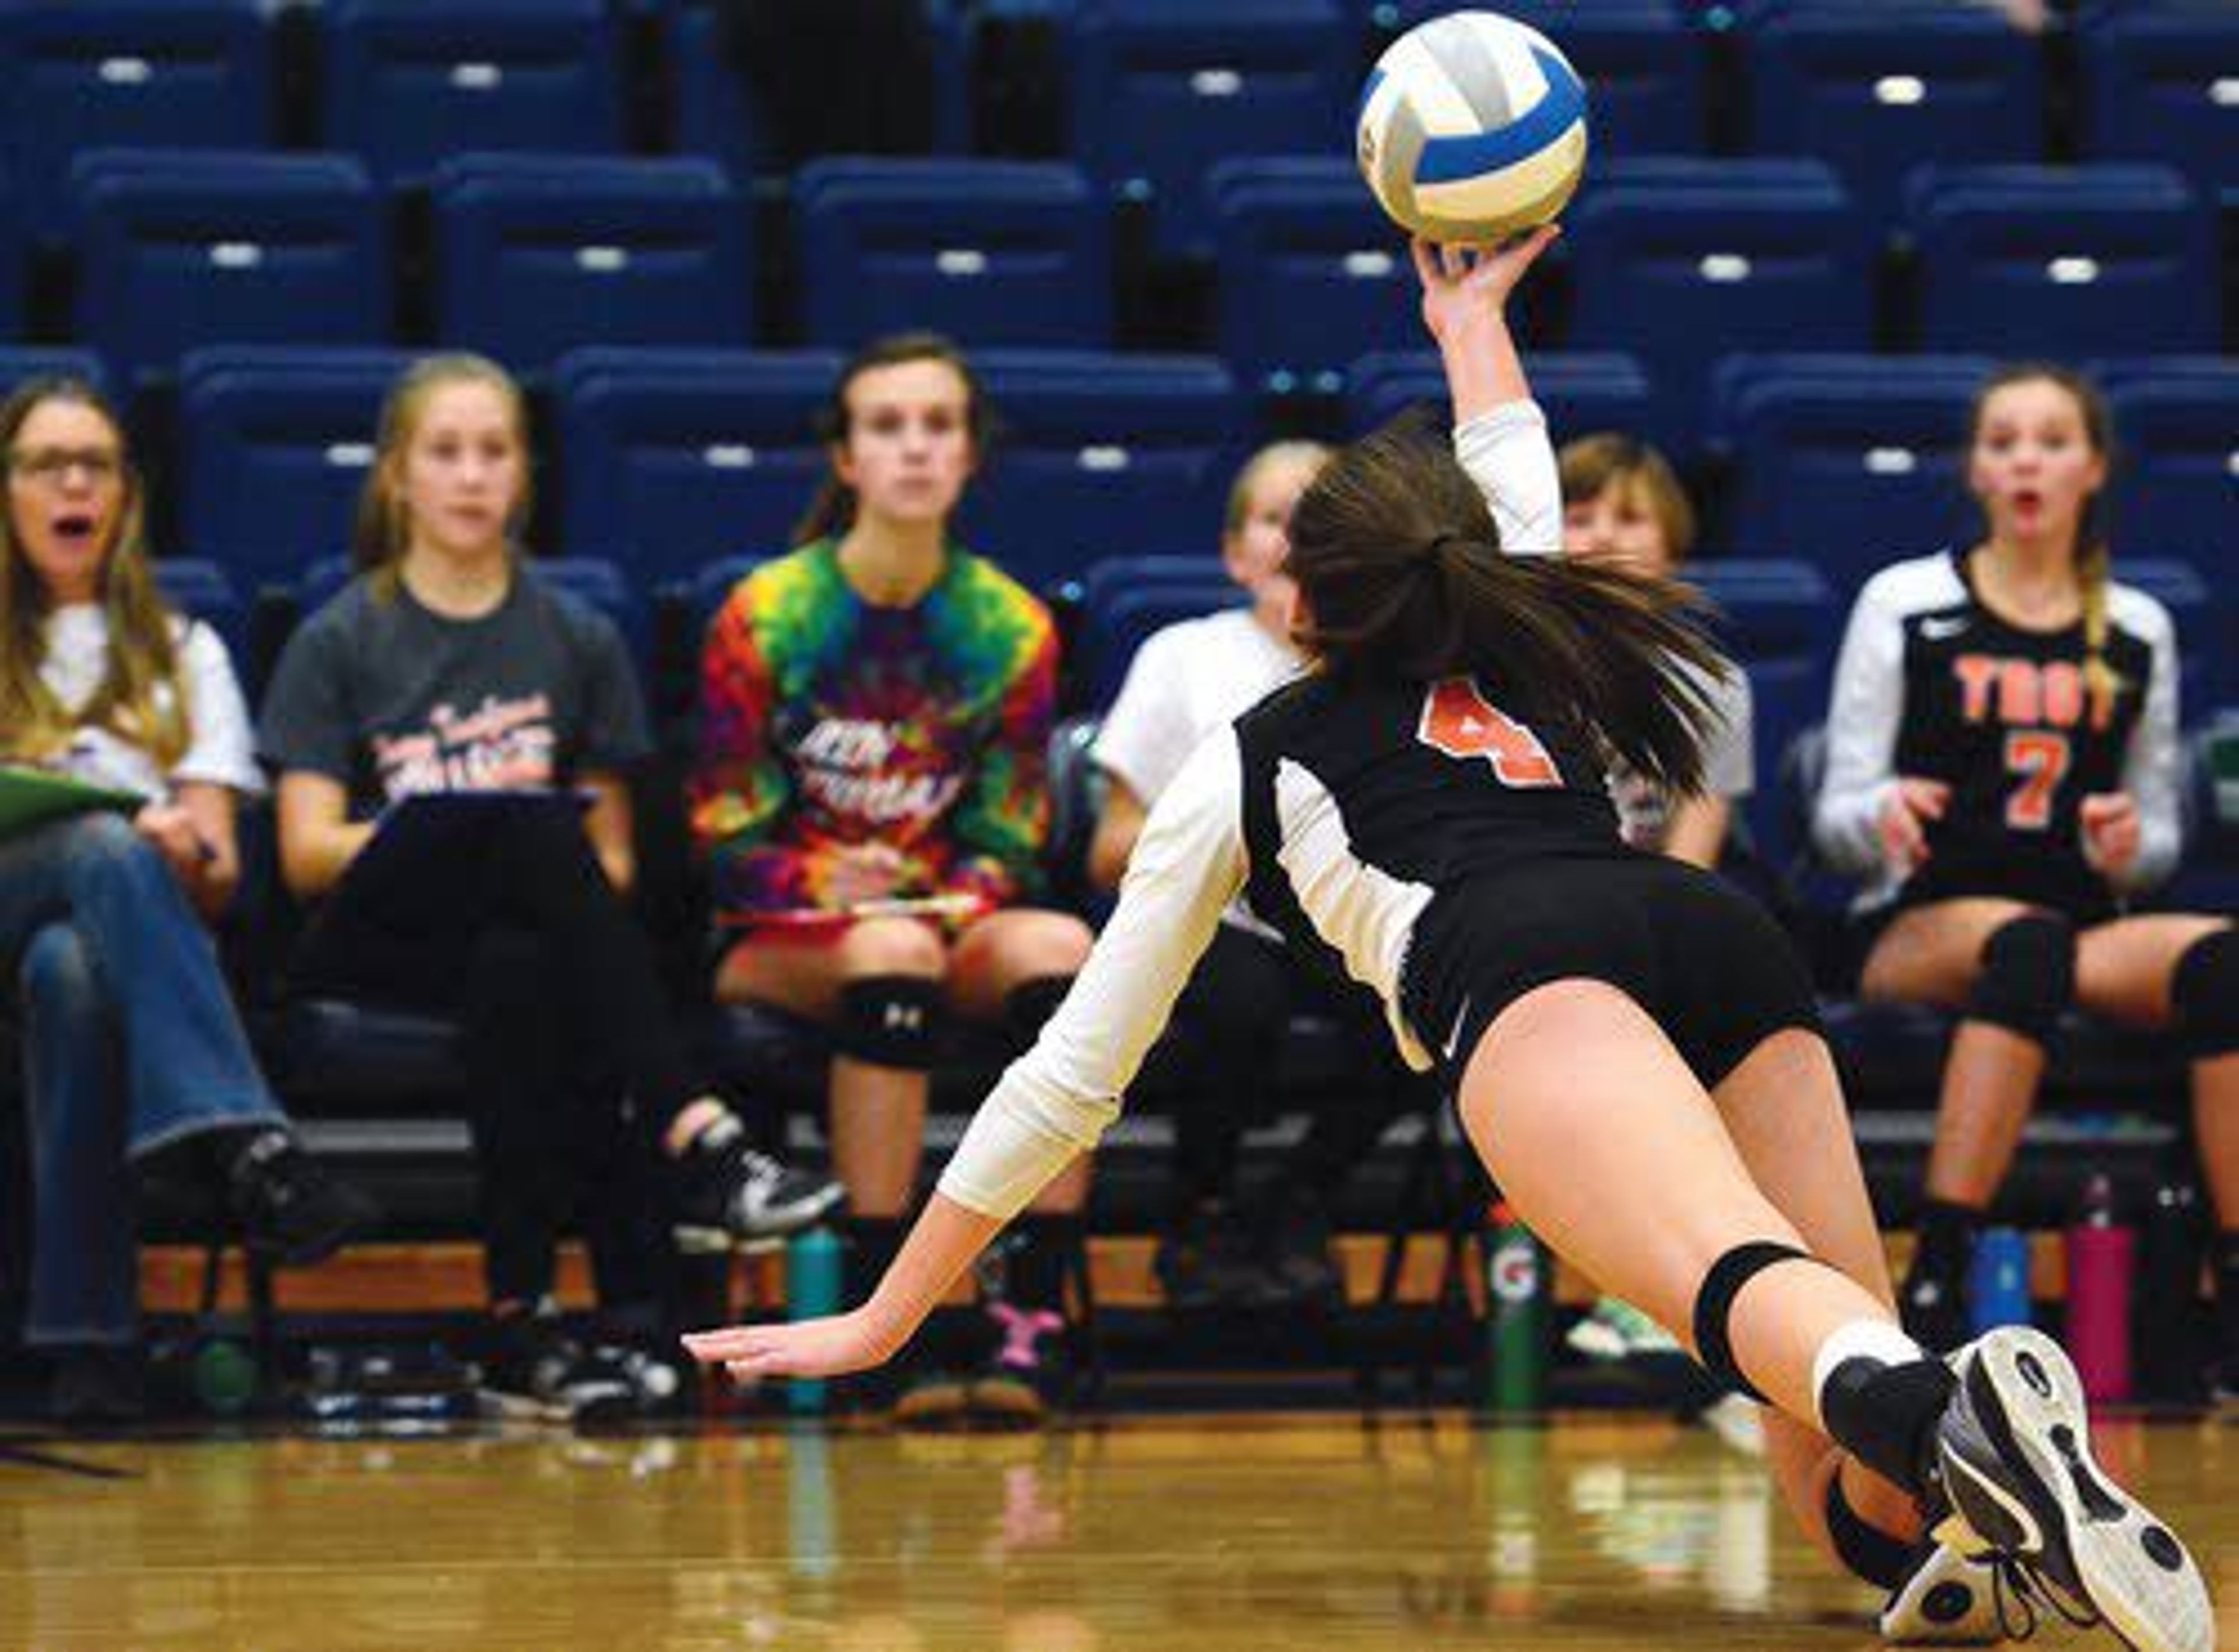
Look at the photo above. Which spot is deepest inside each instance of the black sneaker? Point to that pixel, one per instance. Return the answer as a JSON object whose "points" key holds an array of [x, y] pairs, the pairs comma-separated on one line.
{"points": [[1208, 1260], [98, 1386], [1295, 1244], [288, 1207], [1933, 1304], [1027, 1369], [727, 1192], [536, 1372], [2013, 1465]]}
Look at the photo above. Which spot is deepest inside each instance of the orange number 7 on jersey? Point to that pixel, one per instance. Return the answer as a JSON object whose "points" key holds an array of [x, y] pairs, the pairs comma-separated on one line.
{"points": [[1461, 722], [2039, 762]]}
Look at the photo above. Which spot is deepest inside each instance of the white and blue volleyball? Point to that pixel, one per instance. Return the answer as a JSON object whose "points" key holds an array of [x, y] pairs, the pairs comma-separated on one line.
{"points": [[1472, 127]]}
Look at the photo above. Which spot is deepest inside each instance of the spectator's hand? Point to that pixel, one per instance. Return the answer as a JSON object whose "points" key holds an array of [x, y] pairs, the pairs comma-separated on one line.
{"points": [[1905, 811], [831, 1347], [1463, 284], [865, 872], [2111, 831], [171, 830]]}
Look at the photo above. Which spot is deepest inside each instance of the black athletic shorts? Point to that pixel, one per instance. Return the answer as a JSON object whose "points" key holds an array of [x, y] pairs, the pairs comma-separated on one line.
{"points": [[1707, 962]]}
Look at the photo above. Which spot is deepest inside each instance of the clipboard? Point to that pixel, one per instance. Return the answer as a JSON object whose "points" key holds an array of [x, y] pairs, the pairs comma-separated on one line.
{"points": [[32, 797]]}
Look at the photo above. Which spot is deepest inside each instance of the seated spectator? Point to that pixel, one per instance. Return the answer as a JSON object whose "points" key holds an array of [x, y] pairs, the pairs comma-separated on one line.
{"points": [[135, 1056], [444, 669], [872, 800], [2003, 766], [1185, 682], [1622, 502]]}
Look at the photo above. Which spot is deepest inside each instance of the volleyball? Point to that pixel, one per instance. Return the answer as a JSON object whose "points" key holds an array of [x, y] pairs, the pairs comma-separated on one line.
{"points": [[1472, 127]]}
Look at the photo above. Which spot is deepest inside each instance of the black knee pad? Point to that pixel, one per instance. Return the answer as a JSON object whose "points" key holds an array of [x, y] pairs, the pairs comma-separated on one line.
{"points": [[2205, 990], [1029, 1004], [891, 1021], [1870, 1552], [2028, 977], [1715, 1301]]}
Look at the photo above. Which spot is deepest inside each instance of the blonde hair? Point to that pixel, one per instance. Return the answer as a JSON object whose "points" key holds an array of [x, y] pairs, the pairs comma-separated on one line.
{"points": [[1310, 456], [384, 526], [2092, 555], [141, 697], [1592, 466]]}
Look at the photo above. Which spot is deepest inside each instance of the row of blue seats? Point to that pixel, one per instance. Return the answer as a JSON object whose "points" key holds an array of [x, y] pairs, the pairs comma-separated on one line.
{"points": [[1782, 619], [1676, 260], [1156, 90], [666, 459]]}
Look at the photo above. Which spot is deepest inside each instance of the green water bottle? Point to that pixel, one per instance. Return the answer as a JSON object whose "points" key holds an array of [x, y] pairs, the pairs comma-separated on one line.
{"points": [[1519, 1296], [224, 1377]]}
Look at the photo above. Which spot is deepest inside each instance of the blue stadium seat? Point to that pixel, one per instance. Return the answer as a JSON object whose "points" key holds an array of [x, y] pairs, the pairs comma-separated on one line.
{"points": [[276, 444], [1122, 607], [2176, 469], [714, 112], [200, 589], [1849, 461], [2158, 85], [409, 81], [180, 250], [1681, 261], [671, 458], [100, 73], [21, 361], [2205, 629], [2209, 879], [1095, 447], [1781, 620], [1161, 90], [988, 252], [537, 255], [1312, 274], [709, 587], [1582, 391], [2064, 261], [1875, 89], [1643, 61]]}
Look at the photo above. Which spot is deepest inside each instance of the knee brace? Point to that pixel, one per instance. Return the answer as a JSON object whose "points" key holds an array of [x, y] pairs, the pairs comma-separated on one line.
{"points": [[891, 1021], [2028, 976], [1714, 1303], [2205, 991], [1867, 1550], [1029, 1004]]}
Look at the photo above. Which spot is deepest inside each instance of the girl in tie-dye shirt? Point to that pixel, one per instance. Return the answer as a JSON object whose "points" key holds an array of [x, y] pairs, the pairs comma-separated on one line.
{"points": [[871, 800]]}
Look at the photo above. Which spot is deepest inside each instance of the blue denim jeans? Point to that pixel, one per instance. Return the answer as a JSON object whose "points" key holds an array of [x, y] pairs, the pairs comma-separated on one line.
{"points": [[131, 1042]]}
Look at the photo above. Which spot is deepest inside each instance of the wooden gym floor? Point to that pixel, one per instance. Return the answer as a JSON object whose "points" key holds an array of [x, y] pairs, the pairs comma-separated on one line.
{"points": [[1152, 1534]]}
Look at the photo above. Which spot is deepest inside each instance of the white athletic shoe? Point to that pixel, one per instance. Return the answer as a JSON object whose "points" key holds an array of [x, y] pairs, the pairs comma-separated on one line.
{"points": [[1947, 1599], [2014, 1461]]}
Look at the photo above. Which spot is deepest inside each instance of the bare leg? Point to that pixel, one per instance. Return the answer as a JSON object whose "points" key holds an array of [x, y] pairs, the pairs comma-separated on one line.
{"points": [[1932, 955], [877, 1112], [1600, 1134], [2123, 971]]}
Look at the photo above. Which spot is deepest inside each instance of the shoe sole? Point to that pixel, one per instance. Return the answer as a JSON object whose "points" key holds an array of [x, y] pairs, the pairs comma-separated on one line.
{"points": [[1010, 1401], [933, 1403], [2127, 1564]]}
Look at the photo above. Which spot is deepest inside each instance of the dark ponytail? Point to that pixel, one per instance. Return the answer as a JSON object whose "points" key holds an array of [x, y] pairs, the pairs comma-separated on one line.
{"points": [[1399, 563]]}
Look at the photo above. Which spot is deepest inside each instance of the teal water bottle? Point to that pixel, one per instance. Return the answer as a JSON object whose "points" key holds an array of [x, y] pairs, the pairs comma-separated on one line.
{"points": [[1517, 1310], [812, 1290]]}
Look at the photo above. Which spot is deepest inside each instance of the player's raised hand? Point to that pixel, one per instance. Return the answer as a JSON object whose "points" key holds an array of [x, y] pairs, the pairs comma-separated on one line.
{"points": [[1461, 283]]}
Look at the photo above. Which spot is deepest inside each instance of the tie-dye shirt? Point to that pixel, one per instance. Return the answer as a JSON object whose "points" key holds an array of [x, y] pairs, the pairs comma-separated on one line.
{"points": [[827, 721]]}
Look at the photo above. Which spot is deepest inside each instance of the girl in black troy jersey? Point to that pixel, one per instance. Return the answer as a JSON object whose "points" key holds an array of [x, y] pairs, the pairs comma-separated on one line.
{"points": [[2003, 760], [1632, 1045]]}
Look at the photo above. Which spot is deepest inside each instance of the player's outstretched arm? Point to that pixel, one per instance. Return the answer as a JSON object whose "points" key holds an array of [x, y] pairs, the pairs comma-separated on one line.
{"points": [[1465, 307]]}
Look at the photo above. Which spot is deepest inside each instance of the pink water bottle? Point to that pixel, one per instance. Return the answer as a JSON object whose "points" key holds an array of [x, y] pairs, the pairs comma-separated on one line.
{"points": [[2101, 1255]]}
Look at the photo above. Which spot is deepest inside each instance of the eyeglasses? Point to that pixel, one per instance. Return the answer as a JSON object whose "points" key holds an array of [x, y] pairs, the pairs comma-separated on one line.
{"points": [[52, 465]]}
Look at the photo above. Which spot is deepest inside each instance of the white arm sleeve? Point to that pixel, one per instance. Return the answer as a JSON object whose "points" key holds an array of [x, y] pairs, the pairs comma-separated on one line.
{"points": [[1862, 729], [2153, 772], [1508, 456], [1057, 1099]]}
